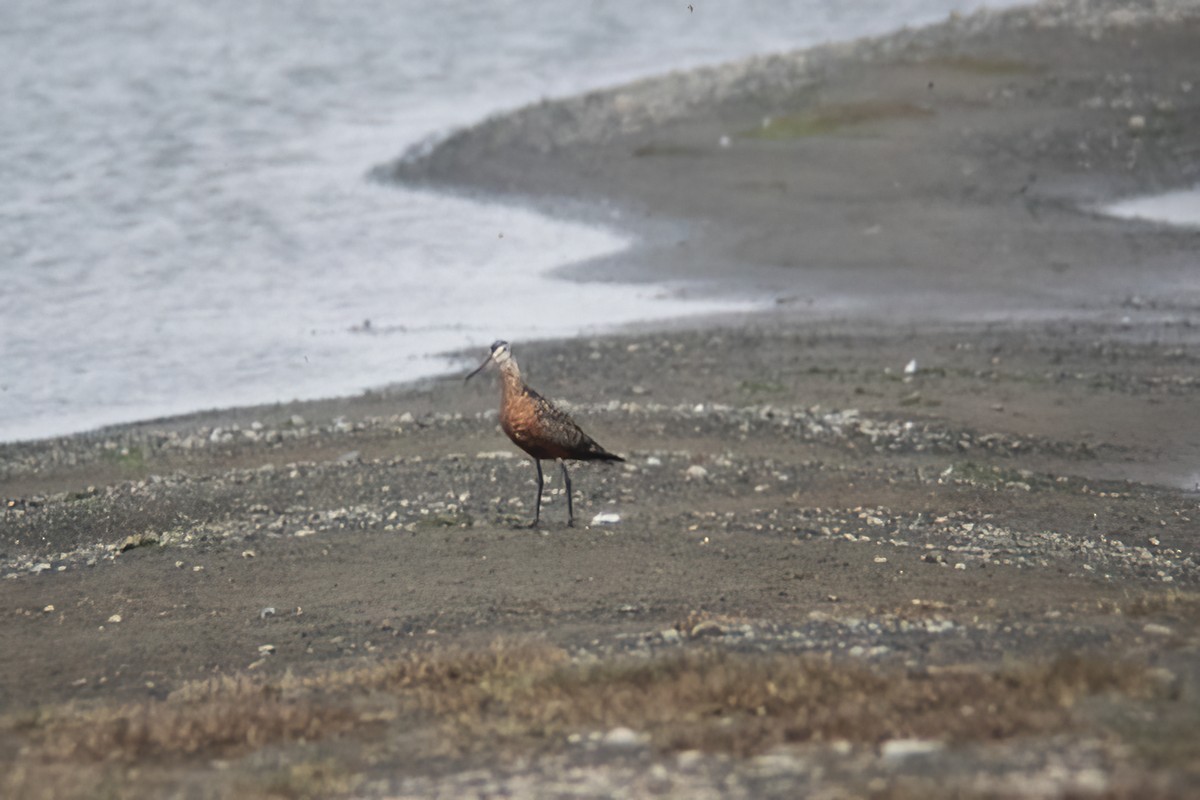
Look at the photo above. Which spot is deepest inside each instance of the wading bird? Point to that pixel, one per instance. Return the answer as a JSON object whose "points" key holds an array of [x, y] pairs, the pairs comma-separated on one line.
{"points": [[538, 427]]}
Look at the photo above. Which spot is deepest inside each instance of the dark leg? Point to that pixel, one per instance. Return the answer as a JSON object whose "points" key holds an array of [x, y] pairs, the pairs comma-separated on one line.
{"points": [[567, 480], [537, 508]]}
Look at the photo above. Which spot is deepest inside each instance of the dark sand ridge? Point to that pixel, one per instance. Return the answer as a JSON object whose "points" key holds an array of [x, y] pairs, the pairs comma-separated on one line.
{"points": [[914, 548], [944, 175]]}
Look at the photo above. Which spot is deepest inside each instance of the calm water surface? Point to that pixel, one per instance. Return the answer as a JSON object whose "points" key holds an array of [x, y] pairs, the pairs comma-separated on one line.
{"points": [[185, 221]]}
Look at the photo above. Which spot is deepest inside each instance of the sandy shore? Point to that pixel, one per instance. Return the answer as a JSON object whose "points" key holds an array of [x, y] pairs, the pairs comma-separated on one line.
{"points": [[937, 175], [831, 574]]}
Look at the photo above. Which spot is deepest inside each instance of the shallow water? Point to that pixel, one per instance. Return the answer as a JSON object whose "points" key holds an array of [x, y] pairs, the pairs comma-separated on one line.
{"points": [[186, 221], [1180, 207]]}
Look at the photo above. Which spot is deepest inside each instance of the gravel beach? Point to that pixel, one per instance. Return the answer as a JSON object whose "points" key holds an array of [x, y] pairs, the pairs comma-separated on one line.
{"points": [[926, 526]]}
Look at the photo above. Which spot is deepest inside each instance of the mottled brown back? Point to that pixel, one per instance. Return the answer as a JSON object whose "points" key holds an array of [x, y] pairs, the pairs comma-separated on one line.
{"points": [[545, 431]]}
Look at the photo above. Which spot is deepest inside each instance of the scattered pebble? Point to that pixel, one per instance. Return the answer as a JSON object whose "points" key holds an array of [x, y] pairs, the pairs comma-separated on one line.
{"points": [[623, 738], [707, 628], [900, 749], [138, 540]]}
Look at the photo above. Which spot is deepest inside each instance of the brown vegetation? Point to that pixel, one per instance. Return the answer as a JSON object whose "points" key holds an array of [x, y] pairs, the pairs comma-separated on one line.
{"points": [[534, 696]]}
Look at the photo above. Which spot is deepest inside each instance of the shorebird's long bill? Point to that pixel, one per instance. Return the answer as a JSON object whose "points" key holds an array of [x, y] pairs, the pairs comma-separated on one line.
{"points": [[478, 369]]}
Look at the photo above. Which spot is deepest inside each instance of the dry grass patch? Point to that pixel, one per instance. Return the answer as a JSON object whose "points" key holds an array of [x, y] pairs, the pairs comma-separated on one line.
{"points": [[744, 704], [514, 696], [1172, 603], [232, 715], [221, 717], [987, 66], [834, 117]]}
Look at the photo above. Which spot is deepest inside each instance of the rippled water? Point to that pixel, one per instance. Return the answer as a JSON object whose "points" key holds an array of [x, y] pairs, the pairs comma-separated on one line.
{"points": [[185, 221]]}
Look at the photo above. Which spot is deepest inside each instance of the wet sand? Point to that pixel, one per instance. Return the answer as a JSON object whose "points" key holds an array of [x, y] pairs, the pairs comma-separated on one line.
{"points": [[1024, 495]]}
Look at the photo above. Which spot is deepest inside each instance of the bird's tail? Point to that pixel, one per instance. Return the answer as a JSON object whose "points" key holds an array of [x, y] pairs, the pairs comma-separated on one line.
{"points": [[597, 453]]}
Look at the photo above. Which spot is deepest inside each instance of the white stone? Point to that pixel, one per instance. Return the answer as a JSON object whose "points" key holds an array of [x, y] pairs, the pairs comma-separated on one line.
{"points": [[623, 737], [899, 749]]}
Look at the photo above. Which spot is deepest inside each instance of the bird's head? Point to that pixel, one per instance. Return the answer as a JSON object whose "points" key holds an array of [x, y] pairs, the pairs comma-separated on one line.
{"points": [[500, 355]]}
